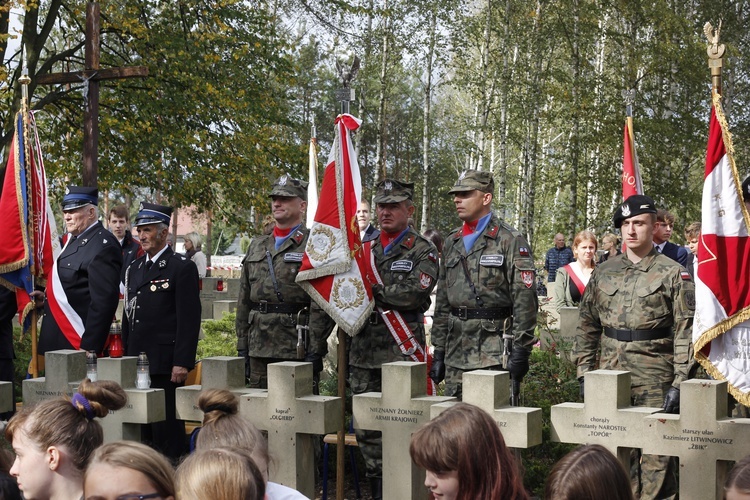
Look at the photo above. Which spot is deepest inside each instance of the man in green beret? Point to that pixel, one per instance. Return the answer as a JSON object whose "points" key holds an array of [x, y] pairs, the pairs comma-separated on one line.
{"points": [[271, 305], [486, 307], [408, 269]]}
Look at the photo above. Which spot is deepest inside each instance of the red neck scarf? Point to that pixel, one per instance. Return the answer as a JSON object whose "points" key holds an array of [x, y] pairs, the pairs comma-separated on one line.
{"points": [[469, 227], [280, 233]]}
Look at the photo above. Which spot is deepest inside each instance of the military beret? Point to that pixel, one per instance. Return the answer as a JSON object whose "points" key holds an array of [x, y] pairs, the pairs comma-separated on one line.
{"points": [[746, 189], [391, 191], [635, 205], [78, 196], [150, 213], [471, 180], [287, 185]]}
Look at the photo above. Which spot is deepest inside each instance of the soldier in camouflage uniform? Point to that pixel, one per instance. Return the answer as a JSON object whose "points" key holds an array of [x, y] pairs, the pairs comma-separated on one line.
{"points": [[271, 305], [407, 264], [643, 302], [486, 294]]}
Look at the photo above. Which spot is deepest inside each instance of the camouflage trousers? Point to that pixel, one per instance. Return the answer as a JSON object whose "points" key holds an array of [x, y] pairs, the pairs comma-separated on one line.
{"points": [[652, 476], [453, 379], [370, 443]]}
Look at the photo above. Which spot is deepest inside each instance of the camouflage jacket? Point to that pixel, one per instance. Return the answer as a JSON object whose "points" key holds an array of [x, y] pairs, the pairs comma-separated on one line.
{"points": [[653, 293], [409, 273], [274, 335], [502, 269]]}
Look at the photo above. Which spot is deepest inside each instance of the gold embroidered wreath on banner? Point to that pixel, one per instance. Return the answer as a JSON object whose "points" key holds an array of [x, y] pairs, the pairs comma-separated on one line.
{"points": [[348, 293], [321, 243]]}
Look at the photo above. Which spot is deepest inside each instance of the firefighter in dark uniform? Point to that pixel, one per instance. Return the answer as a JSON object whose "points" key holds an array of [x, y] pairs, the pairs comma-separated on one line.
{"points": [[162, 319], [79, 310]]}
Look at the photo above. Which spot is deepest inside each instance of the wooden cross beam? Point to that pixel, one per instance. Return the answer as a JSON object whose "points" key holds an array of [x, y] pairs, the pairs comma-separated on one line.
{"points": [[91, 76]]}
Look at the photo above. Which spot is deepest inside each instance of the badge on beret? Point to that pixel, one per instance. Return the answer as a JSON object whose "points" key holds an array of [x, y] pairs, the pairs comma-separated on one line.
{"points": [[140, 206], [283, 179], [388, 186], [625, 210], [67, 190]]}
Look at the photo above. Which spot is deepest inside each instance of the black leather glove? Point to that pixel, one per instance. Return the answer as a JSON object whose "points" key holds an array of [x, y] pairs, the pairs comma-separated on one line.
{"points": [[518, 366], [672, 401], [316, 360], [244, 355], [437, 372], [581, 391]]}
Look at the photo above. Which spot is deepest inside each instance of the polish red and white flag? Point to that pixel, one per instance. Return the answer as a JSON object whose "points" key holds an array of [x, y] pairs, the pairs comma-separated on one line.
{"points": [[334, 269], [721, 330]]}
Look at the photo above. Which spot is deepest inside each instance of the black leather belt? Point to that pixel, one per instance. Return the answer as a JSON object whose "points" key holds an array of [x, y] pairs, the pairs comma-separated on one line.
{"points": [[636, 335], [464, 313], [275, 307], [409, 317]]}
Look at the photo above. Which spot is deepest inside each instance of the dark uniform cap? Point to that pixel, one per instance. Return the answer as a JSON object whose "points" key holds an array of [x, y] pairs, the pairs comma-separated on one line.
{"points": [[390, 191], [469, 180], [287, 185], [746, 189], [150, 213], [635, 205], [76, 197]]}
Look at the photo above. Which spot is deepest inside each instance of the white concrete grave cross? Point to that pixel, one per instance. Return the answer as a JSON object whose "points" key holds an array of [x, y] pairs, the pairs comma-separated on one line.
{"points": [[292, 415], [144, 406], [63, 372], [489, 390], [401, 409], [605, 417], [219, 372], [702, 436]]}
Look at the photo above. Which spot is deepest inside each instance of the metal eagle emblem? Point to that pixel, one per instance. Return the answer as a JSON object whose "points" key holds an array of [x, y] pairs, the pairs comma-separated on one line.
{"points": [[388, 186], [625, 210], [283, 180]]}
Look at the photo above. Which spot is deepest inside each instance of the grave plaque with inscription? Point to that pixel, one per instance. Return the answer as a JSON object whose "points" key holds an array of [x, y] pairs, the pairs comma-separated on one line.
{"points": [[402, 408], [219, 372], [63, 372], [292, 415], [606, 416], [143, 406], [702, 436], [490, 390]]}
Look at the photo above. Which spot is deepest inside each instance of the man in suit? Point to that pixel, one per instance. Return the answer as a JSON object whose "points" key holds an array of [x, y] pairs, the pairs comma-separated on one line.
{"points": [[82, 294], [367, 231], [662, 233], [7, 313], [119, 223], [162, 319]]}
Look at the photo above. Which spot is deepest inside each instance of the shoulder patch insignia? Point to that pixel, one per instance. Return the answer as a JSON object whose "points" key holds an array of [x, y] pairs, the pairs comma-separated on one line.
{"points": [[425, 280], [528, 278], [523, 251], [685, 276], [493, 230], [689, 298], [432, 257]]}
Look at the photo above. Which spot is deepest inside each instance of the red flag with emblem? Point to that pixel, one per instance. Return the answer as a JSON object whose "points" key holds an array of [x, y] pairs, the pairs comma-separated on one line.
{"points": [[721, 330], [334, 267], [631, 171]]}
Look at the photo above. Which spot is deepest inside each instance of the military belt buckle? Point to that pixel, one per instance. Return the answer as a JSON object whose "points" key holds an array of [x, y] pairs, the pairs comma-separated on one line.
{"points": [[411, 350], [263, 306], [463, 313]]}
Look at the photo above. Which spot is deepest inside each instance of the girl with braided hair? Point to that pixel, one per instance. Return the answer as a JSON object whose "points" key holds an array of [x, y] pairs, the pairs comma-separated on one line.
{"points": [[54, 439]]}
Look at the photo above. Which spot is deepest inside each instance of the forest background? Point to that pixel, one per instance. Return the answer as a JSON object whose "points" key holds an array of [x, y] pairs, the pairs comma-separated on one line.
{"points": [[528, 89]]}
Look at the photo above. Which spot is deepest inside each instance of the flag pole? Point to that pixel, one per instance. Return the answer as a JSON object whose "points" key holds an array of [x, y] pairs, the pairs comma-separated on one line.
{"points": [[25, 80], [344, 95]]}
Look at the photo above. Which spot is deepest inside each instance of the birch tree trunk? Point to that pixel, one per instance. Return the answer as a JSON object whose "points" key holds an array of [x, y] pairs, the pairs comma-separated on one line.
{"points": [[426, 127]]}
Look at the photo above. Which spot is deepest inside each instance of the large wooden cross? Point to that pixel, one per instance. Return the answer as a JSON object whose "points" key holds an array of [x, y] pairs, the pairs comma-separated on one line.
{"points": [[91, 76]]}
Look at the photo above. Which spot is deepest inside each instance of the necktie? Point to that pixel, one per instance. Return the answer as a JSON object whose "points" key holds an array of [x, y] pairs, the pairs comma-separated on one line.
{"points": [[149, 263], [658, 249]]}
